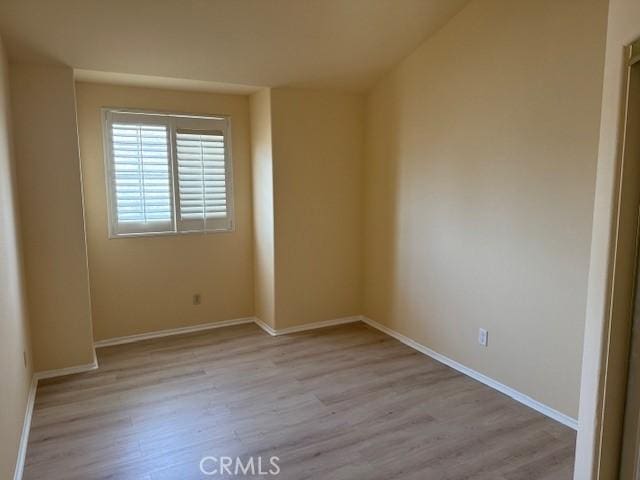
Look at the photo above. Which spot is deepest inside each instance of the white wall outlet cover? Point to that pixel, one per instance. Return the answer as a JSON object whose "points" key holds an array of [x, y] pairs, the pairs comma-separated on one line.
{"points": [[483, 337]]}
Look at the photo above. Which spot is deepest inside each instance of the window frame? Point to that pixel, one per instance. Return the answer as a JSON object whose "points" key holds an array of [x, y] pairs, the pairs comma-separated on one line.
{"points": [[173, 121]]}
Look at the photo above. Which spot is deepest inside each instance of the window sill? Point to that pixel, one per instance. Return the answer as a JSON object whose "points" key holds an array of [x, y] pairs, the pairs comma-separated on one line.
{"points": [[169, 234]]}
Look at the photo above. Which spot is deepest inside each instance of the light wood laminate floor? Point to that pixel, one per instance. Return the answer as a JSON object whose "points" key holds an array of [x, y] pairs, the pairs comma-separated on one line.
{"points": [[339, 403]]}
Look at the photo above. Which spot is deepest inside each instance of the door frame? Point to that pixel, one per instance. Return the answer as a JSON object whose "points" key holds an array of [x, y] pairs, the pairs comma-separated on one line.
{"points": [[605, 366]]}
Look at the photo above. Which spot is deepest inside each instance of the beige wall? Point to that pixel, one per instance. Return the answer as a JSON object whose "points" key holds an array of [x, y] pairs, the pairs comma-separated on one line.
{"points": [[600, 358], [50, 199], [15, 375], [144, 284], [317, 157], [481, 155], [263, 215]]}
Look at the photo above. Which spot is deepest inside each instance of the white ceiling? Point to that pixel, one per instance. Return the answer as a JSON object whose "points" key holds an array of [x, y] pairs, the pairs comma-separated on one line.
{"points": [[345, 44]]}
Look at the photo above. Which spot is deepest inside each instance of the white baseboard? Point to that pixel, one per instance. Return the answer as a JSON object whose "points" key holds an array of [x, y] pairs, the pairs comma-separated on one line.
{"points": [[266, 327], [26, 428], [518, 396], [307, 326], [31, 400], [172, 331], [225, 323], [61, 372]]}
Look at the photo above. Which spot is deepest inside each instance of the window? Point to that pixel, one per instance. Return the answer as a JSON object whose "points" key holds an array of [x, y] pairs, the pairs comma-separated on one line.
{"points": [[167, 173]]}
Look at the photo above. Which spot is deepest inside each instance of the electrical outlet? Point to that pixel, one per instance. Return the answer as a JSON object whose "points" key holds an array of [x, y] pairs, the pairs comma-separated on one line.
{"points": [[196, 299], [483, 337]]}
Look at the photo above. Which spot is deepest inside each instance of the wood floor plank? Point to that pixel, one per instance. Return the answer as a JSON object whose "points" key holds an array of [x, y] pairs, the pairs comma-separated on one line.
{"points": [[344, 402]]}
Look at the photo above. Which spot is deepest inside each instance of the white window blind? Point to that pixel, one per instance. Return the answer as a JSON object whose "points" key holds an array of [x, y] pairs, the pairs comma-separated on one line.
{"points": [[201, 178], [167, 173], [140, 176]]}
